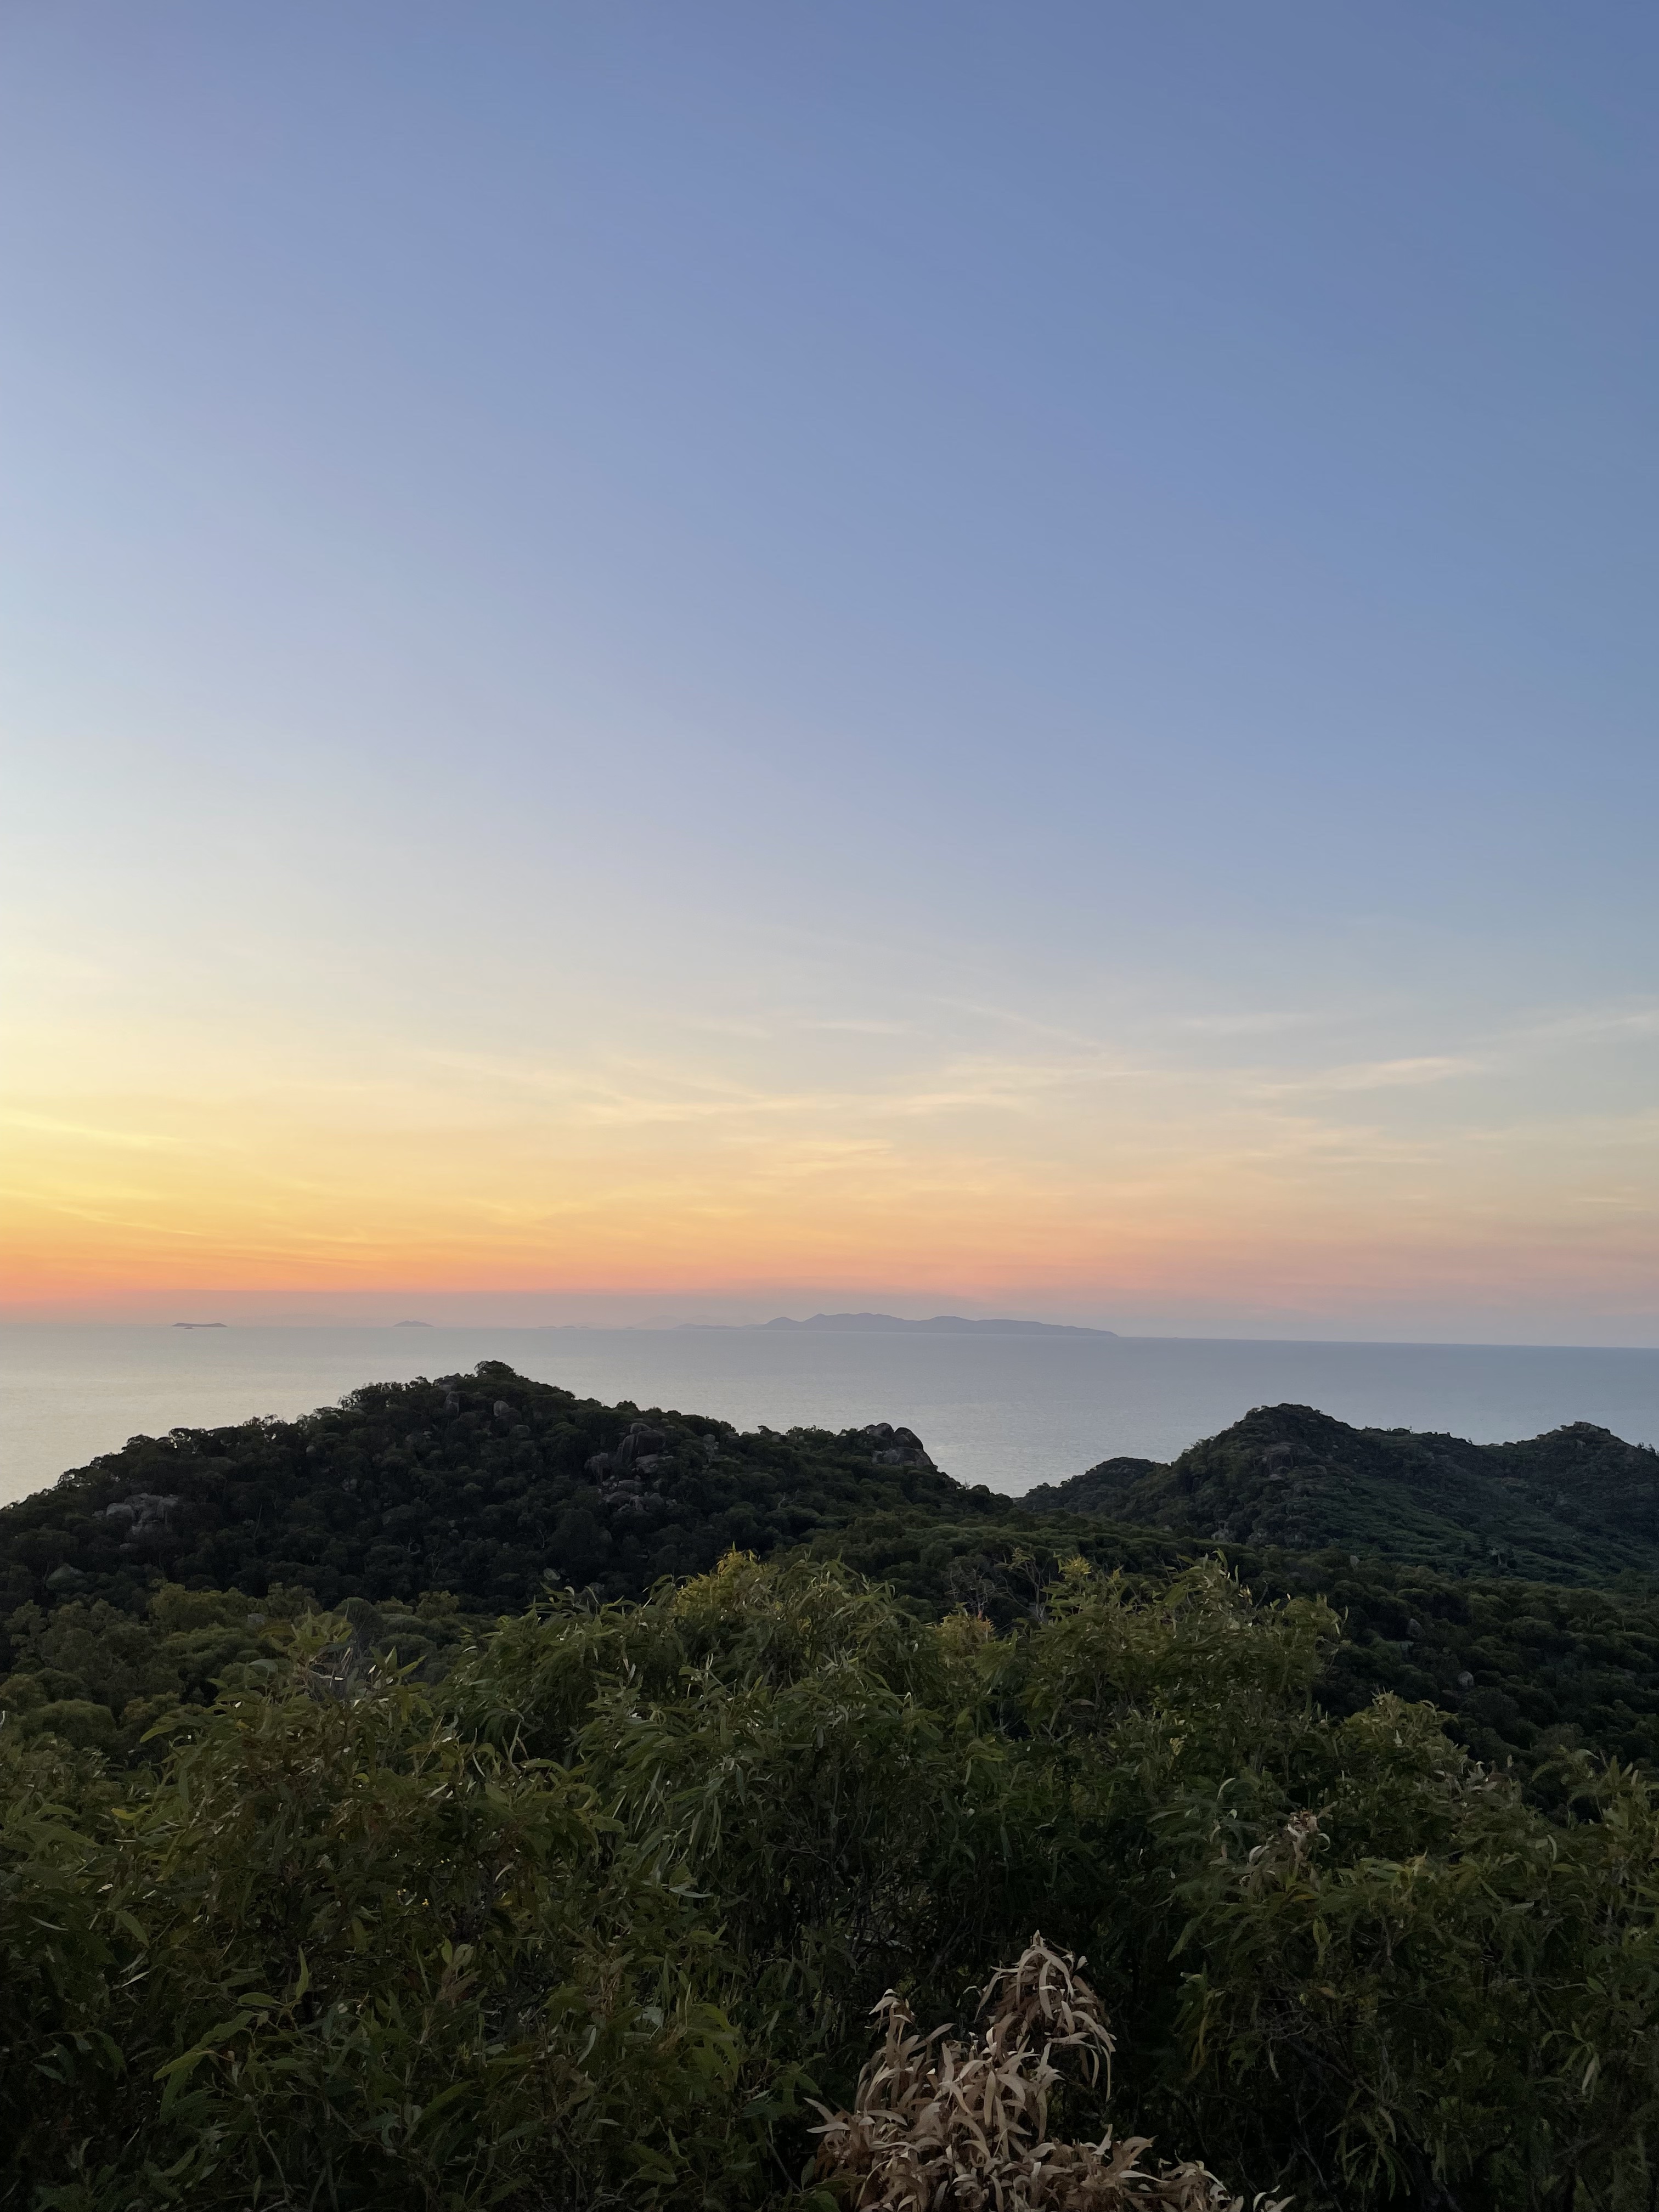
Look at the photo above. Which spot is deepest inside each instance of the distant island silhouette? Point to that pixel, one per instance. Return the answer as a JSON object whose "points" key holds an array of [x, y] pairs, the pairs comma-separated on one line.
{"points": [[199, 1324], [411, 1324], [939, 1325]]}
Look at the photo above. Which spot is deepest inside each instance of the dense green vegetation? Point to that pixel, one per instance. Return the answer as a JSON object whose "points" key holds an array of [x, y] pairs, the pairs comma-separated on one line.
{"points": [[1577, 1505], [596, 1919], [470, 1795], [484, 1486], [481, 1485]]}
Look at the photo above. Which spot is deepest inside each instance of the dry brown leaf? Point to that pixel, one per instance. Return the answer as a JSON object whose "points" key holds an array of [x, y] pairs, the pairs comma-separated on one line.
{"points": [[937, 2126]]}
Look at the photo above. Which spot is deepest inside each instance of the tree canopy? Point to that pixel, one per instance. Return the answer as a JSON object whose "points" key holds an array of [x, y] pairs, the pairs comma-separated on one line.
{"points": [[472, 1796], [602, 1917]]}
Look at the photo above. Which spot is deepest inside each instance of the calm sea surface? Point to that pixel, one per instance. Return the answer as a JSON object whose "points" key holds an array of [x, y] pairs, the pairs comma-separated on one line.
{"points": [[1006, 1411]]}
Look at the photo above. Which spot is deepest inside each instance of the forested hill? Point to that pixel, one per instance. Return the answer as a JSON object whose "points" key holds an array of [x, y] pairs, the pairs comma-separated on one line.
{"points": [[489, 1485], [1577, 1505], [316, 1881], [426, 1506], [484, 1484]]}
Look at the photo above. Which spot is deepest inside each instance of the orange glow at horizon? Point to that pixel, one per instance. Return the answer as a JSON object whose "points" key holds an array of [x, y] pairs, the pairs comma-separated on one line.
{"points": [[710, 673], [1179, 1196]]}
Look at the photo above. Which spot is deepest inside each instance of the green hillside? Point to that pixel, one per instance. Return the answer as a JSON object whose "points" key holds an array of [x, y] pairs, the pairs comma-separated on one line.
{"points": [[1577, 1505], [430, 1508], [482, 1485], [432, 1802]]}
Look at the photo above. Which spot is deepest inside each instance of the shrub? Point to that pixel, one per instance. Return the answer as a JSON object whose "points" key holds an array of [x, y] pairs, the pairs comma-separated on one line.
{"points": [[938, 2124]]}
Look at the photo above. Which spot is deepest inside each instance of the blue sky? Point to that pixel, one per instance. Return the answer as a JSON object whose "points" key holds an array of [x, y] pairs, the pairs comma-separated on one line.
{"points": [[1019, 638]]}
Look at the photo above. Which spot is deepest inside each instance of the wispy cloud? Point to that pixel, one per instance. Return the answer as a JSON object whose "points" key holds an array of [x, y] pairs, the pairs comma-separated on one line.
{"points": [[1242, 1024], [1376, 1075], [1582, 1023], [136, 1140]]}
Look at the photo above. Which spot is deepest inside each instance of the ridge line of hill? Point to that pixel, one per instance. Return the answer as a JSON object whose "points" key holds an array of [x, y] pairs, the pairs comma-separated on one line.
{"points": [[1577, 1504], [1514, 1586]]}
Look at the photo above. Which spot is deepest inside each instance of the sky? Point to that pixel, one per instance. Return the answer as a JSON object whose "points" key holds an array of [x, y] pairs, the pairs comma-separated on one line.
{"points": [[668, 662]]}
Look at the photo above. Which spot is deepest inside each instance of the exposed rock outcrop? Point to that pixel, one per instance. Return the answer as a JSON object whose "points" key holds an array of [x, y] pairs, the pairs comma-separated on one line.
{"points": [[892, 1447]]}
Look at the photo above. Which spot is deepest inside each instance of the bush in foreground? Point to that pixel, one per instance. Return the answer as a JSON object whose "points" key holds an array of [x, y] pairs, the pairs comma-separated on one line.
{"points": [[936, 2121], [592, 1921]]}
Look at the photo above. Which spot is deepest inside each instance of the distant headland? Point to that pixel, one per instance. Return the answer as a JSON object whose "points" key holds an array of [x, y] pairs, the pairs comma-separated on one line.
{"points": [[940, 1325], [199, 1324]]}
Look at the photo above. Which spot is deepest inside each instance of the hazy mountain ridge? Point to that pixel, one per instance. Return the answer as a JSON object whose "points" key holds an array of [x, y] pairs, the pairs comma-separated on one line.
{"points": [[1577, 1504], [861, 1324]]}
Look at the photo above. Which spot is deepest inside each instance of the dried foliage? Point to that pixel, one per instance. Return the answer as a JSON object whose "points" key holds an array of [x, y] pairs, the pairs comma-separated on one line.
{"points": [[937, 2123]]}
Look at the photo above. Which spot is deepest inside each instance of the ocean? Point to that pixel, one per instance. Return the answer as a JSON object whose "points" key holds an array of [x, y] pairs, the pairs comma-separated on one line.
{"points": [[1008, 1411]]}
